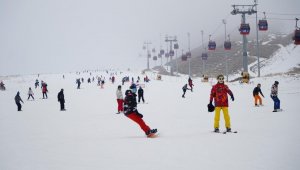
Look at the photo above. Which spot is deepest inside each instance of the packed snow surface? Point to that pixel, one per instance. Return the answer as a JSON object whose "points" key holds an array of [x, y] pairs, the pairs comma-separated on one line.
{"points": [[91, 136]]}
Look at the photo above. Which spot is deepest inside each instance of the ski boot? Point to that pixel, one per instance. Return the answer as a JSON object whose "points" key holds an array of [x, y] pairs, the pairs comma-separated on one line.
{"points": [[151, 133], [217, 130], [228, 129]]}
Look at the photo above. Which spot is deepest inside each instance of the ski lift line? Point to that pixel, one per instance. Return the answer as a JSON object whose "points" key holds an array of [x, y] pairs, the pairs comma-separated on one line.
{"points": [[286, 19], [272, 13], [218, 27]]}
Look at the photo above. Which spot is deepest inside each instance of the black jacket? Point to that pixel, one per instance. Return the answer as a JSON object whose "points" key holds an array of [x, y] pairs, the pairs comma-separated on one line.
{"points": [[61, 97], [140, 92], [130, 103], [257, 90], [18, 99]]}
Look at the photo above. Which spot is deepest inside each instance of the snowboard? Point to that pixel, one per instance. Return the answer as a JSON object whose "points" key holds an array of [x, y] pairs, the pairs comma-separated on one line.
{"points": [[153, 135]]}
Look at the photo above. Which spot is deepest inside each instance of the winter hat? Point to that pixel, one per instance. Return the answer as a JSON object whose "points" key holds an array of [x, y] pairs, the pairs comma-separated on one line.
{"points": [[210, 107], [276, 82], [127, 92], [219, 76], [119, 86]]}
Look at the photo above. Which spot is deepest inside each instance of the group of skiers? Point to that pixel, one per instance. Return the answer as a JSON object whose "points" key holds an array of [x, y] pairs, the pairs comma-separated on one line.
{"points": [[219, 94], [218, 101], [30, 93]]}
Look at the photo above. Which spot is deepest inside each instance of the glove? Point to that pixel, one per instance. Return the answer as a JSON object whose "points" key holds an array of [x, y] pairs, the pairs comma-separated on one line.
{"points": [[232, 98]]}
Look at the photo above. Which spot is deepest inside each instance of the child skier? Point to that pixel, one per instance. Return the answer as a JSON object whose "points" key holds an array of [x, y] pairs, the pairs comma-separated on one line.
{"points": [[256, 96], [30, 93], [219, 95], [130, 110]]}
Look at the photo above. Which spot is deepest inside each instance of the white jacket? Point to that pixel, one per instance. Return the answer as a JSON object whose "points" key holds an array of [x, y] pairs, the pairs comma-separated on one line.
{"points": [[119, 94], [30, 92]]}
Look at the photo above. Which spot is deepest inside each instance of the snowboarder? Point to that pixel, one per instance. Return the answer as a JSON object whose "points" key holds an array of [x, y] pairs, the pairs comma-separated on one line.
{"points": [[274, 96], [219, 95], [61, 99], [30, 93], [120, 99], [18, 101], [141, 94], [130, 110], [191, 84], [184, 88], [44, 90], [256, 96]]}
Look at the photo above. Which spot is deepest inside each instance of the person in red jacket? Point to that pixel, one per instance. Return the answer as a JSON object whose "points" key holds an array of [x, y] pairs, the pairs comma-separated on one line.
{"points": [[219, 95], [191, 84], [44, 90]]}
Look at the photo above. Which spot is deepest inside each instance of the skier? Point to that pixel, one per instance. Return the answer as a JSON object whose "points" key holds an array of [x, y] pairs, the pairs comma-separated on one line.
{"points": [[191, 84], [44, 90], [30, 93], [141, 94], [37, 83], [133, 87], [120, 99], [184, 88], [61, 99], [274, 96], [102, 84], [78, 83], [130, 110], [256, 96], [18, 101], [219, 95], [2, 87]]}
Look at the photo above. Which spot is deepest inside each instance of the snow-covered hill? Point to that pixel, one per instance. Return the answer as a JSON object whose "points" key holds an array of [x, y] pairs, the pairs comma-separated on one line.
{"points": [[89, 135]]}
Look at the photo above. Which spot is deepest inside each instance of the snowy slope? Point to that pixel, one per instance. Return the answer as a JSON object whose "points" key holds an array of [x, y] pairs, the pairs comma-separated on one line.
{"points": [[285, 59], [90, 136]]}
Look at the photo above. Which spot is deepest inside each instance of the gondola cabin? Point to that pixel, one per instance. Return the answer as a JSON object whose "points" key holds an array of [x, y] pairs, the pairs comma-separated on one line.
{"points": [[184, 57], [189, 54], [204, 56], [297, 37], [211, 45], [263, 25], [167, 55], [227, 45], [176, 46], [171, 53], [244, 29], [162, 52]]}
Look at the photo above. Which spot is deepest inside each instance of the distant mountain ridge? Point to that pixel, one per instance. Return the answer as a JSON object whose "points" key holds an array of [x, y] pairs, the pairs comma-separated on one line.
{"points": [[216, 62]]}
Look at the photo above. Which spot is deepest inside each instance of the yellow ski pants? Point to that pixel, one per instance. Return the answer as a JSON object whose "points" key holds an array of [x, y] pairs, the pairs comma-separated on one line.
{"points": [[226, 116]]}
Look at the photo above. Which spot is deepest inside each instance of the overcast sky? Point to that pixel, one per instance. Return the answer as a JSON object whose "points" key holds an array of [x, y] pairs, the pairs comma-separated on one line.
{"points": [[52, 36]]}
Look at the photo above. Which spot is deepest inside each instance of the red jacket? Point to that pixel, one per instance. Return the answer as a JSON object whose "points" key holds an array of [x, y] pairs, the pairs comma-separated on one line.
{"points": [[219, 94]]}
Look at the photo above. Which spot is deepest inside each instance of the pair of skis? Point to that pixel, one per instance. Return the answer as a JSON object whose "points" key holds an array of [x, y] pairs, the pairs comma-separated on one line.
{"points": [[225, 132]]}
